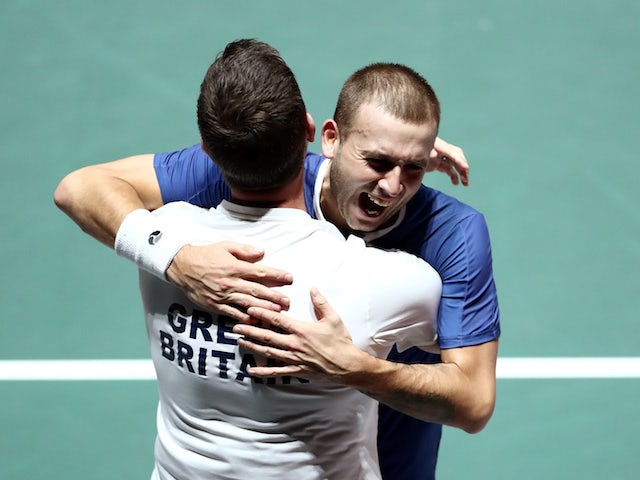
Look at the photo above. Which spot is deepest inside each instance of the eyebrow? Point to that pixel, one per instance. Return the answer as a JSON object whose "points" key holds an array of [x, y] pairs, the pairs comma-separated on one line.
{"points": [[389, 158]]}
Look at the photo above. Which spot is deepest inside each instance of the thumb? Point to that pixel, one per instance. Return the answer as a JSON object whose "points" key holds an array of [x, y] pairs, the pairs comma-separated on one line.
{"points": [[321, 306]]}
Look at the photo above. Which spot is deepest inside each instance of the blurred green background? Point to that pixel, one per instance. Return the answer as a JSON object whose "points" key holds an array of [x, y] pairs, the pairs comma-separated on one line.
{"points": [[543, 97]]}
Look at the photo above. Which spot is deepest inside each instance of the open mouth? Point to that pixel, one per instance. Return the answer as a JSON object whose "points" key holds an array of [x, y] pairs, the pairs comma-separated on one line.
{"points": [[373, 207]]}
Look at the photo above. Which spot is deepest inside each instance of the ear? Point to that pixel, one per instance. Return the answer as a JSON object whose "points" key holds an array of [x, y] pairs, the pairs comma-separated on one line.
{"points": [[311, 128], [330, 138]]}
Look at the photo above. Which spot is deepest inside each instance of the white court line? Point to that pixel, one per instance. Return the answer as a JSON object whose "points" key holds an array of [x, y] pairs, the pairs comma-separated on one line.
{"points": [[508, 368], [568, 367], [77, 370]]}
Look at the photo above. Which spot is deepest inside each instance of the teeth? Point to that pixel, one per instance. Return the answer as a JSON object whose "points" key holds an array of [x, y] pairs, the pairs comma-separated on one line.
{"points": [[378, 202]]}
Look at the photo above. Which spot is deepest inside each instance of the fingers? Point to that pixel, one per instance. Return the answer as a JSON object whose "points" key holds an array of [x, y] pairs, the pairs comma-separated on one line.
{"points": [[266, 343], [271, 318], [229, 311], [461, 169], [458, 173], [451, 160], [268, 276], [245, 252], [235, 304], [212, 276], [266, 372], [265, 340], [447, 167], [264, 274], [250, 294]]}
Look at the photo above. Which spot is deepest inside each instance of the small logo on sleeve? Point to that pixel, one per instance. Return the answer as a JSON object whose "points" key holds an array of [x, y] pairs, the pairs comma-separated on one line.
{"points": [[155, 237]]}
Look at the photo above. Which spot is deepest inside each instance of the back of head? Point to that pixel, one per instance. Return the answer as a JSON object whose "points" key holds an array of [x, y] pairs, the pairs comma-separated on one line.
{"points": [[397, 89], [252, 118]]}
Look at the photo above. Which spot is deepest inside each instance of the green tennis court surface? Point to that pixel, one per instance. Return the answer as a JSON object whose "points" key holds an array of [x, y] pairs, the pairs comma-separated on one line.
{"points": [[544, 99]]}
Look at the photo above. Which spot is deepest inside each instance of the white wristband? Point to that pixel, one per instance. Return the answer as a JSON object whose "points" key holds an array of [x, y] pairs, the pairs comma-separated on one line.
{"points": [[144, 239]]}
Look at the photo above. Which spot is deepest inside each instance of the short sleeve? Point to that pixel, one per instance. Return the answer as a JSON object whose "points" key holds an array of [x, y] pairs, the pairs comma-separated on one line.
{"points": [[468, 313], [190, 175]]}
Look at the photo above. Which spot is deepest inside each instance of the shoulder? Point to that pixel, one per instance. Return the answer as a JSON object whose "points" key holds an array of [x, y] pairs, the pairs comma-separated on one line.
{"points": [[191, 162], [328, 229], [312, 171], [312, 161], [180, 212], [395, 270], [440, 207], [461, 230], [433, 225], [193, 153], [445, 223]]}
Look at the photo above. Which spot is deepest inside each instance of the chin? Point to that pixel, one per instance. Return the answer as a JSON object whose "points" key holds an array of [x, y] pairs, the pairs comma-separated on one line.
{"points": [[366, 224]]}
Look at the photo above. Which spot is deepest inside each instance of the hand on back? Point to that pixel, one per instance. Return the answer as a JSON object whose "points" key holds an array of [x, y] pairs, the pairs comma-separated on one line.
{"points": [[226, 278]]}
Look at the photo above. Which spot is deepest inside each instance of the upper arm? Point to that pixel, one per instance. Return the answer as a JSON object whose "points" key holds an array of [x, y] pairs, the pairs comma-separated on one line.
{"points": [[476, 366], [106, 180], [99, 197], [477, 362], [136, 171]]}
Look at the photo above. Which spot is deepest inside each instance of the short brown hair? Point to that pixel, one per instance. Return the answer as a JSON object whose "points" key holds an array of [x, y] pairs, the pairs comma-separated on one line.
{"points": [[398, 89], [252, 118]]}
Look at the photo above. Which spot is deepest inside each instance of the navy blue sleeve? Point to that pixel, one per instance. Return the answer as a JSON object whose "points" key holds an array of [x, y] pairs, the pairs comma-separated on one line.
{"points": [[189, 175], [312, 162], [468, 313]]}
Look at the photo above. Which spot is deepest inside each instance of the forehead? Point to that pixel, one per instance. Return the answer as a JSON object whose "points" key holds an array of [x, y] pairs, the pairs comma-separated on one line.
{"points": [[377, 132]]}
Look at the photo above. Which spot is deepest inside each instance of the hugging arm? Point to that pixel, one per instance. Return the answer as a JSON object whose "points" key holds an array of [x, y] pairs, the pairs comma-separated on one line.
{"points": [[459, 392], [220, 276]]}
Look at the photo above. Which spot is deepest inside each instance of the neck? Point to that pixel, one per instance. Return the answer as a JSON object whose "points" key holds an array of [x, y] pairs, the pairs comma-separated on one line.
{"points": [[289, 196]]}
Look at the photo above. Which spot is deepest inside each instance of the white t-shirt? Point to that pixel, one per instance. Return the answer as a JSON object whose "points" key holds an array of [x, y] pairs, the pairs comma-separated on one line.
{"points": [[216, 422]]}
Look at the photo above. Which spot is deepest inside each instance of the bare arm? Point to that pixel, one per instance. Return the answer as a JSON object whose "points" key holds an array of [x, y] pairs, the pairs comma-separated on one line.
{"points": [[99, 197], [219, 276], [459, 392]]}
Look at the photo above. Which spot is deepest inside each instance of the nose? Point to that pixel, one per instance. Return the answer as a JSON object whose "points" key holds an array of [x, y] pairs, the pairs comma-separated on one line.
{"points": [[391, 183]]}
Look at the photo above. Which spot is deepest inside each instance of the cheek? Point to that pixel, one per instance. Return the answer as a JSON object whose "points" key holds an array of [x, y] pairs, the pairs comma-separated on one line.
{"points": [[352, 181], [413, 183]]}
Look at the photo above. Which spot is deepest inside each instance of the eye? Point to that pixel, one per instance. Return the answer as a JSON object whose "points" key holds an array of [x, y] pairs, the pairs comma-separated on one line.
{"points": [[380, 165], [415, 167]]}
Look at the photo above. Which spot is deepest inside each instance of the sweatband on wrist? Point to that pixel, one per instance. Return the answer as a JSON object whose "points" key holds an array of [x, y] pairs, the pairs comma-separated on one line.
{"points": [[147, 241]]}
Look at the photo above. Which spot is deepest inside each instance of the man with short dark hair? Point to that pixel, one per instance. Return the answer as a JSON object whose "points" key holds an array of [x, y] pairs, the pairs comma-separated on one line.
{"points": [[241, 126], [214, 419]]}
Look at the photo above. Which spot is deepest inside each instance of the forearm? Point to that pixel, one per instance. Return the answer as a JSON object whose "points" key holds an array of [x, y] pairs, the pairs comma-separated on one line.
{"points": [[426, 392], [458, 392]]}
